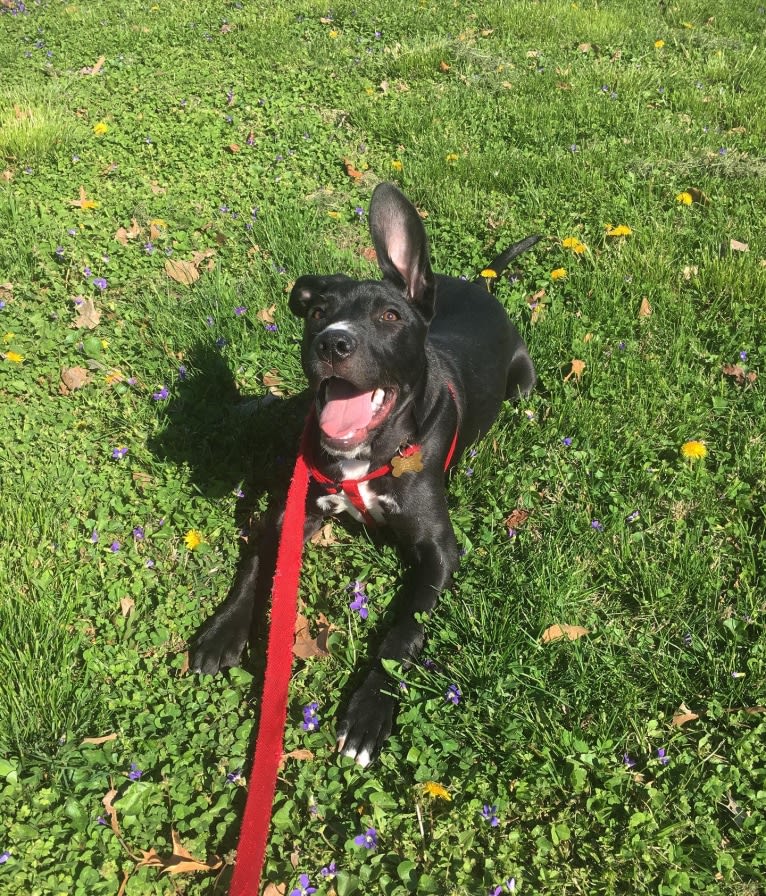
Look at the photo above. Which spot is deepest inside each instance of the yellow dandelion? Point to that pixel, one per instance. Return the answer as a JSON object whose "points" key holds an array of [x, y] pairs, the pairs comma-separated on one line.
{"points": [[9, 337], [100, 128], [571, 242], [436, 791], [14, 357], [396, 165], [659, 44], [334, 214], [684, 198], [114, 376], [334, 33], [159, 222], [488, 274], [558, 274], [620, 230], [693, 450], [193, 539], [452, 157]]}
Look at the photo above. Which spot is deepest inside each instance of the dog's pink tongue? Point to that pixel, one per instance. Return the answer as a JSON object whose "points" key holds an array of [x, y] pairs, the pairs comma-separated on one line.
{"points": [[346, 410]]}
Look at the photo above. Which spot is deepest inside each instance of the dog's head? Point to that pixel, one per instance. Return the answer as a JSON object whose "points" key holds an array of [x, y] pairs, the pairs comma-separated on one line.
{"points": [[363, 343]]}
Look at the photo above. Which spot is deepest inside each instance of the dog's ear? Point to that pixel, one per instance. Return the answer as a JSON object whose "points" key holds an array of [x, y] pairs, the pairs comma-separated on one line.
{"points": [[401, 246], [310, 289]]}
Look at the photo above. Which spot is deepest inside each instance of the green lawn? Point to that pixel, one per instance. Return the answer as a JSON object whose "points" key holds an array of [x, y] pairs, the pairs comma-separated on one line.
{"points": [[166, 171]]}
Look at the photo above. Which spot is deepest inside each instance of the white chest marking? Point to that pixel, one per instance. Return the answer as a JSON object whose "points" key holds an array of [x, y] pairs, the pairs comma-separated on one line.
{"points": [[376, 505]]}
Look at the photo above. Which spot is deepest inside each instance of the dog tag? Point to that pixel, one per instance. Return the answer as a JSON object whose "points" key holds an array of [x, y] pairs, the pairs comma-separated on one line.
{"points": [[412, 463]]}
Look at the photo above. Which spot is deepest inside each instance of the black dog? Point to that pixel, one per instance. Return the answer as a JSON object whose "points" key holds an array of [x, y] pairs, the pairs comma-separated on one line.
{"points": [[405, 373]]}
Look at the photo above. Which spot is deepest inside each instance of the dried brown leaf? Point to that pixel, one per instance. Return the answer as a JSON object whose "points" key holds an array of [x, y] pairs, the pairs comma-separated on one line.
{"points": [[557, 632], [267, 314], [104, 739], [95, 68], [737, 246], [126, 606], [304, 645], [73, 378], [233, 148], [645, 310], [516, 518], [683, 715], [325, 536], [6, 291], [124, 234], [576, 370], [689, 271], [354, 173], [183, 862], [181, 271], [273, 889], [738, 374], [111, 811], [88, 316]]}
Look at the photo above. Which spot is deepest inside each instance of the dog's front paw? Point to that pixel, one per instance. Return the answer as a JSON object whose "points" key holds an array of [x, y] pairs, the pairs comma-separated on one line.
{"points": [[217, 645], [368, 720]]}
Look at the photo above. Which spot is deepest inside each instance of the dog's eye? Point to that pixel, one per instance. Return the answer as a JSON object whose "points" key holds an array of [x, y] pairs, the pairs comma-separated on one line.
{"points": [[390, 316], [316, 313]]}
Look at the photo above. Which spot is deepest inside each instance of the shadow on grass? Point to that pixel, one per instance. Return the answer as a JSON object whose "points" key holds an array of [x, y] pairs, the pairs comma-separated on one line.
{"points": [[227, 440]]}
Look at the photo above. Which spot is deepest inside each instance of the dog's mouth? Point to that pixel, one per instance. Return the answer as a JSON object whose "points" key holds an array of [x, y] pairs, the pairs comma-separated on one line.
{"points": [[348, 415]]}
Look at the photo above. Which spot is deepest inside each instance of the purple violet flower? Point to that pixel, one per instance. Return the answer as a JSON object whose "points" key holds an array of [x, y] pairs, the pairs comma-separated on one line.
{"points": [[453, 695], [119, 453], [368, 840], [664, 760], [161, 395], [135, 772], [489, 813], [310, 717], [329, 871], [359, 603]]}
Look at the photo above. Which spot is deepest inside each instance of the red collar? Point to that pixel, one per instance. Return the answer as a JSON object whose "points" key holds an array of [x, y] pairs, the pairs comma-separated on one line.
{"points": [[350, 487]]}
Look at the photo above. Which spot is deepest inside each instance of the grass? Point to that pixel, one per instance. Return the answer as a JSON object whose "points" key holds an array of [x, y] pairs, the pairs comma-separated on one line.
{"points": [[227, 128]]}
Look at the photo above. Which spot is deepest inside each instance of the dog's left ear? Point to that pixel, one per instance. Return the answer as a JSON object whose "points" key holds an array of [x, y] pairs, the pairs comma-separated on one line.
{"points": [[401, 246]]}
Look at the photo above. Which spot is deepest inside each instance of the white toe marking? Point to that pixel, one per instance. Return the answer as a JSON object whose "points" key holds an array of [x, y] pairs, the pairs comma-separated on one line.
{"points": [[363, 759]]}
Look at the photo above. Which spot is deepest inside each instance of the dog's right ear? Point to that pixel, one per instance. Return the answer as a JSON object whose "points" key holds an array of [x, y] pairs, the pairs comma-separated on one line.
{"points": [[402, 247], [310, 289]]}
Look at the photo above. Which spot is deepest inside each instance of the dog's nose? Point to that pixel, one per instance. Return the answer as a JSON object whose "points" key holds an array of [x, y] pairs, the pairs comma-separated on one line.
{"points": [[335, 345]]}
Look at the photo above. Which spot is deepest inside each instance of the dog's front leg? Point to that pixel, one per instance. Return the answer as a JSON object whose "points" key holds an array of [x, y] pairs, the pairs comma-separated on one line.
{"points": [[432, 548], [220, 641]]}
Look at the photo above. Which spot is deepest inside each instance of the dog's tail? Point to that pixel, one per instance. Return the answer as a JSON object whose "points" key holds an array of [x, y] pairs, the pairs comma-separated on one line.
{"points": [[505, 258]]}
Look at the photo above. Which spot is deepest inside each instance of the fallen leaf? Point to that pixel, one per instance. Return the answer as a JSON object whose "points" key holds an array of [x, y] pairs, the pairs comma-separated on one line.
{"points": [[105, 739], [354, 173], [126, 606], [557, 632], [181, 271], [689, 271], [88, 316], [141, 478], [204, 255], [6, 291], [697, 196], [369, 254], [83, 202], [576, 371], [588, 337], [7, 175], [183, 862], [584, 48], [73, 378], [645, 310], [110, 810], [516, 518], [738, 374], [267, 314], [233, 148], [304, 645], [123, 235], [299, 755], [683, 716], [737, 246], [273, 889], [149, 859], [156, 189], [272, 381], [324, 537], [444, 66], [95, 68]]}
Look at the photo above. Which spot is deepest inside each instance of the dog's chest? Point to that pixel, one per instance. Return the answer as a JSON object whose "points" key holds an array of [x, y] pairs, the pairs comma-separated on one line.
{"points": [[376, 503]]}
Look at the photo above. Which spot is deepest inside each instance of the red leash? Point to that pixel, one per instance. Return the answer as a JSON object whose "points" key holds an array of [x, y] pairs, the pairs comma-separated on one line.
{"points": [[254, 833]]}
